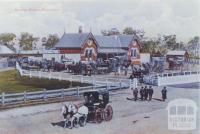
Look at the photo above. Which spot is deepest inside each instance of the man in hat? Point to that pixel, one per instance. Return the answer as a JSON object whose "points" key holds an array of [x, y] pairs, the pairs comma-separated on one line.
{"points": [[145, 93], [135, 94], [164, 93], [150, 92], [142, 93]]}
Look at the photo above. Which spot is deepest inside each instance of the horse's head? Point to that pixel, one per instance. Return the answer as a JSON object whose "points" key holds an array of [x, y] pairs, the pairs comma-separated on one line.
{"points": [[72, 108], [64, 111]]}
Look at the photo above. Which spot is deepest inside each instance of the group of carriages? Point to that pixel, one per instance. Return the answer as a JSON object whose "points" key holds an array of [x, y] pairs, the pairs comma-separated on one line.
{"points": [[96, 108], [139, 71], [41, 65], [81, 68], [76, 68]]}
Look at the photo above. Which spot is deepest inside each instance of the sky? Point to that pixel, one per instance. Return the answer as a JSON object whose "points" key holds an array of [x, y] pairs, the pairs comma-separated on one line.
{"points": [[155, 17]]}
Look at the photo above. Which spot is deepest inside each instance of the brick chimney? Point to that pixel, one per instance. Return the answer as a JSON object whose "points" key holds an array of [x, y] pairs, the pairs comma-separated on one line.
{"points": [[80, 30]]}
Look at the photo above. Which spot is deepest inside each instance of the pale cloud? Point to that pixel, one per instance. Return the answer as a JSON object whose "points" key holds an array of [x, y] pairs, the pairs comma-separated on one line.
{"points": [[179, 17]]}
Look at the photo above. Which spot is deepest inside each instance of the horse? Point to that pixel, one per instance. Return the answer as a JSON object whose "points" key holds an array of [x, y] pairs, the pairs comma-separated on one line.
{"points": [[74, 115]]}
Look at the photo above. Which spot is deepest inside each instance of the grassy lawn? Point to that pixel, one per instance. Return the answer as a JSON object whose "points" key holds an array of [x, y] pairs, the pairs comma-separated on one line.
{"points": [[12, 82]]}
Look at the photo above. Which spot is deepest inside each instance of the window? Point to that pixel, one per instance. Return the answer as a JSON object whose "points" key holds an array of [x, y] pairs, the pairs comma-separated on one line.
{"points": [[90, 54], [131, 53], [134, 53], [86, 53]]}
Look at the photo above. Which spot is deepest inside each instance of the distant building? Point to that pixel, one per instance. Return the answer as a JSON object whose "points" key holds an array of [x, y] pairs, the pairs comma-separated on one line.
{"points": [[4, 50], [176, 59], [177, 56]]}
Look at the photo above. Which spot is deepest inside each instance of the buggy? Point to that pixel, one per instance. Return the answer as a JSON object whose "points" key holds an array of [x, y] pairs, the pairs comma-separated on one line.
{"points": [[98, 105]]}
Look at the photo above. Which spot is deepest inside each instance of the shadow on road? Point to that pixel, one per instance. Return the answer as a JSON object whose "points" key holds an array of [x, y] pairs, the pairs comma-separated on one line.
{"points": [[60, 124], [157, 99], [132, 99]]}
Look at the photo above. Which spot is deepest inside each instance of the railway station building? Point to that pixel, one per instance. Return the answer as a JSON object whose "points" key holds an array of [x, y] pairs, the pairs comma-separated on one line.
{"points": [[87, 47]]}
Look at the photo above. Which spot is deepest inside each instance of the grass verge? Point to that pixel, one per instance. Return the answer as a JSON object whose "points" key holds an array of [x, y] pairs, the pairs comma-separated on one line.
{"points": [[12, 82]]}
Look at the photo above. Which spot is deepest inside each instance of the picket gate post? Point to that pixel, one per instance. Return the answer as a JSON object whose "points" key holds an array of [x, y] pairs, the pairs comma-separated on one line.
{"points": [[78, 88], [25, 96], [44, 94], [62, 93], [3, 98]]}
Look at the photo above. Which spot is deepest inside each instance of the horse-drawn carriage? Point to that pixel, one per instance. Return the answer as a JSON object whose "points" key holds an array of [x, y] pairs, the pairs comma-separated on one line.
{"points": [[96, 108], [98, 105]]}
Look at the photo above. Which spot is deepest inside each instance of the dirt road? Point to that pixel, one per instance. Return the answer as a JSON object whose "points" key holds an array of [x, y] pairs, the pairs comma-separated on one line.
{"points": [[130, 117]]}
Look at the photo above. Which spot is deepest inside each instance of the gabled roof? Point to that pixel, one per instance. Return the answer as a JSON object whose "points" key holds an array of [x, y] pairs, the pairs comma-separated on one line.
{"points": [[108, 41], [76, 40], [126, 39], [5, 50], [72, 40]]}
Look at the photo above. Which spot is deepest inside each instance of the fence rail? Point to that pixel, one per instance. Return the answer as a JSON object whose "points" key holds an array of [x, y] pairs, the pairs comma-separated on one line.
{"points": [[173, 78], [16, 98]]}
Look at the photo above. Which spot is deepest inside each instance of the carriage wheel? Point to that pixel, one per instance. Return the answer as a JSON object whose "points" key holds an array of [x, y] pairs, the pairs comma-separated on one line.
{"points": [[69, 125], [98, 116], [75, 122], [108, 113], [82, 121]]}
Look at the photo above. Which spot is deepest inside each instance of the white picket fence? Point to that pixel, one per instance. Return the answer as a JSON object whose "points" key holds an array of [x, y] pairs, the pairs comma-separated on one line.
{"points": [[98, 83], [94, 80], [16, 98], [173, 78]]}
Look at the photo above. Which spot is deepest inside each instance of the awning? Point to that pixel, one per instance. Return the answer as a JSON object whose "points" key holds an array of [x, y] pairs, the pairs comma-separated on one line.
{"points": [[111, 50]]}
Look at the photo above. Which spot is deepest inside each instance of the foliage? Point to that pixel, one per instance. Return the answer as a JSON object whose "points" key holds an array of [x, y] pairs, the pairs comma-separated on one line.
{"points": [[170, 41], [194, 41], [7, 37], [26, 41], [51, 41], [149, 46], [112, 31], [129, 31]]}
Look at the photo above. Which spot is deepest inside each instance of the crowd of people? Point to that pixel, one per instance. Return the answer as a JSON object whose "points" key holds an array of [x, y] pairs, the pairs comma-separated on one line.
{"points": [[147, 93]]}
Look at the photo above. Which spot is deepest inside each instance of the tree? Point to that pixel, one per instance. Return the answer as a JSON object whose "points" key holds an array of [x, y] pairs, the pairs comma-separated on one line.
{"points": [[129, 31], [26, 41], [153, 46], [112, 31], [150, 46], [51, 41], [194, 41], [170, 41], [6, 38]]}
